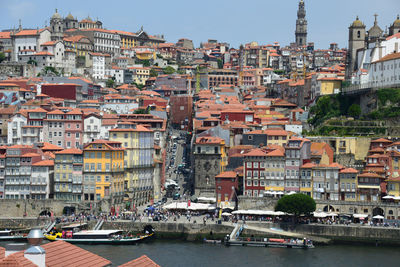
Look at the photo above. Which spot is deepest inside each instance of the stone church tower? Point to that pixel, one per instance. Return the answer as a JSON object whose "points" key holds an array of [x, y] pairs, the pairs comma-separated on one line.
{"points": [[357, 40], [301, 25], [395, 27], [56, 27]]}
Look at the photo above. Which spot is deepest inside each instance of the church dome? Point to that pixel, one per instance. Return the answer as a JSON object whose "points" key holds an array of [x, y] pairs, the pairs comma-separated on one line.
{"points": [[375, 30], [396, 23], [56, 15], [357, 23], [70, 17]]}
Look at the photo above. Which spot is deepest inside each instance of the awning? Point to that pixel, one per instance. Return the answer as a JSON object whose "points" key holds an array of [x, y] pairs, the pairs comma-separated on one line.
{"points": [[258, 212], [359, 215]]}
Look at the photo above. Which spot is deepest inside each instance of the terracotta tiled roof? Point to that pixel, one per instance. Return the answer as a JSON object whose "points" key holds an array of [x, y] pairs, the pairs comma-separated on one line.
{"points": [[48, 146], [348, 170], [276, 153], [142, 261], [381, 140], [2, 253], [255, 153], [16, 260], [44, 163], [388, 57], [209, 140], [227, 174], [308, 165], [370, 175], [70, 151]]}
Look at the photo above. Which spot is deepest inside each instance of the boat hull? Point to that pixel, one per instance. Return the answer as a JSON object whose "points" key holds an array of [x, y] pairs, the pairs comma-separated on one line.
{"points": [[12, 238], [127, 241]]}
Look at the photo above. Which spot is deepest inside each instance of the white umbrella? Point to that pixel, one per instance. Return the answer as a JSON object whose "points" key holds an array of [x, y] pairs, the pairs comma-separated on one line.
{"points": [[291, 193], [388, 197], [226, 214], [396, 198], [378, 217], [320, 214], [331, 214]]}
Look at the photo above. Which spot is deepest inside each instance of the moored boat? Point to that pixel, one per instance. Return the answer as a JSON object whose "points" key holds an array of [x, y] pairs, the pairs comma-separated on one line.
{"points": [[111, 237], [270, 242], [9, 235]]}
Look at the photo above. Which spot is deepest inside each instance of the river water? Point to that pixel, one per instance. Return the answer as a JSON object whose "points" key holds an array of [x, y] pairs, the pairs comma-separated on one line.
{"points": [[179, 253]]}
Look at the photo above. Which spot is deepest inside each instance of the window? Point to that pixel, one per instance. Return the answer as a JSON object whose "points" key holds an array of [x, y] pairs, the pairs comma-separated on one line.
{"points": [[77, 135], [248, 183], [99, 166]]}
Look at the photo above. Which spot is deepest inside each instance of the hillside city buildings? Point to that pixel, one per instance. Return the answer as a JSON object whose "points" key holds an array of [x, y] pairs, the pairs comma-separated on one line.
{"points": [[88, 114]]}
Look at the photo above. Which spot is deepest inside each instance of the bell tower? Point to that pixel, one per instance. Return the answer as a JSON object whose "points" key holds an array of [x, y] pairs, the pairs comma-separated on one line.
{"points": [[357, 41], [301, 25]]}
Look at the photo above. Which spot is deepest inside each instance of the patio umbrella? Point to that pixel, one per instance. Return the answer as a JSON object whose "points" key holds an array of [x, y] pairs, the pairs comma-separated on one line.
{"points": [[378, 217], [387, 197]]}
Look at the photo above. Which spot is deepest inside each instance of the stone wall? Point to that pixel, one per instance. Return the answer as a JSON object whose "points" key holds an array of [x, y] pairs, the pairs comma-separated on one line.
{"points": [[351, 234]]}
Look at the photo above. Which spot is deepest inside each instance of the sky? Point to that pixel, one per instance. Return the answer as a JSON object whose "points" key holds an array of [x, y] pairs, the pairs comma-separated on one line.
{"points": [[233, 21]]}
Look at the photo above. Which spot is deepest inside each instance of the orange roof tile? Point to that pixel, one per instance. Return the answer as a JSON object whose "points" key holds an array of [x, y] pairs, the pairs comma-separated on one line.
{"points": [[44, 163], [142, 261], [348, 170], [388, 57], [70, 151], [48, 146], [256, 153], [227, 174], [381, 140], [276, 153]]}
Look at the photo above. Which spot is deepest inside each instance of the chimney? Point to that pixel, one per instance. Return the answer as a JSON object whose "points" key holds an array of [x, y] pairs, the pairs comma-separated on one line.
{"points": [[35, 253]]}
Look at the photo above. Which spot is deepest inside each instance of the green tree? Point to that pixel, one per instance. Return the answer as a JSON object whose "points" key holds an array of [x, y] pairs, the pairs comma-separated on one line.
{"points": [[110, 83], [220, 64], [141, 111], [169, 70], [296, 204], [354, 110], [2, 57], [153, 73]]}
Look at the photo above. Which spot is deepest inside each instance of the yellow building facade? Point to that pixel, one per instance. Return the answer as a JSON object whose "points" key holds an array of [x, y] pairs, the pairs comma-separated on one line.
{"points": [[129, 138], [140, 75], [104, 169], [330, 86]]}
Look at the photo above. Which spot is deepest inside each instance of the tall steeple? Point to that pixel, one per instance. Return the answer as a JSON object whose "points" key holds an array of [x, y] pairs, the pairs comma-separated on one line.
{"points": [[301, 25]]}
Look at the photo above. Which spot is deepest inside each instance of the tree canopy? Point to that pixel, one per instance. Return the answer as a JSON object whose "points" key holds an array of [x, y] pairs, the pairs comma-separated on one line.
{"points": [[169, 70], [296, 204], [354, 110]]}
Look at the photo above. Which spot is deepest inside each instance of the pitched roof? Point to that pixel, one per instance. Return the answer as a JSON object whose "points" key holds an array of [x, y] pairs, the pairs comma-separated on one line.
{"points": [[227, 174], [388, 57], [255, 153], [48, 146], [59, 254], [142, 261], [348, 170], [44, 163], [276, 153], [381, 140], [70, 151], [15, 260]]}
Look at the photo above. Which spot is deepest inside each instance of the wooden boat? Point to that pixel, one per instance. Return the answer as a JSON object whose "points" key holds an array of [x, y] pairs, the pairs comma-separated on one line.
{"points": [[111, 237], [9, 235]]}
